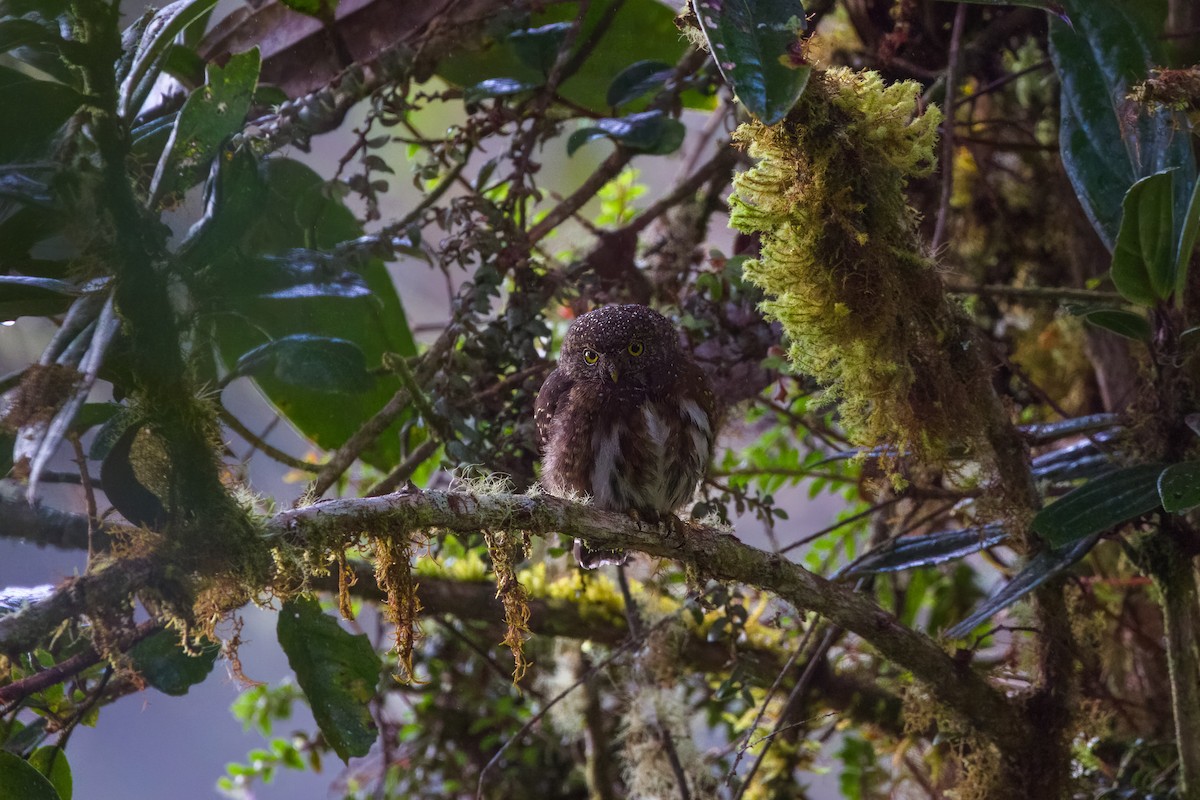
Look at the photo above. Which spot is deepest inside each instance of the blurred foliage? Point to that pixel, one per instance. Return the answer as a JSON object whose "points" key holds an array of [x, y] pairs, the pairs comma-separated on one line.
{"points": [[875, 335]]}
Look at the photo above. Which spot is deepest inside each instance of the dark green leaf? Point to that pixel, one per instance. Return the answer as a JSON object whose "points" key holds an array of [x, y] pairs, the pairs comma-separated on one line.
{"points": [[303, 272], [1143, 265], [28, 296], [1189, 229], [158, 37], [642, 27], [637, 79], [927, 550], [319, 363], [52, 762], [16, 32], [211, 114], [234, 197], [122, 484], [538, 47], [1100, 505], [648, 132], [1043, 432], [1179, 486], [44, 107], [19, 779], [1041, 568], [300, 212], [1107, 141], [321, 9], [161, 660], [337, 670], [1123, 323], [20, 188], [496, 87], [756, 45]]}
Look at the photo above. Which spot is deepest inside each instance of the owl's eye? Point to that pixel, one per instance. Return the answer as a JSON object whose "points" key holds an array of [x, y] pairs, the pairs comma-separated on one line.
{"points": [[636, 348], [590, 356]]}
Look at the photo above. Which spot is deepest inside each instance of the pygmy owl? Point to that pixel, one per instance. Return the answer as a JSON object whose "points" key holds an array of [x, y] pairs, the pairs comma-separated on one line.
{"points": [[627, 418]]}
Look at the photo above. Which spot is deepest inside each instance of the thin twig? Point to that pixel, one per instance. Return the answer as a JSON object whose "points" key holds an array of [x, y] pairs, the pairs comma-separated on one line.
{"points": [[948, 146], [848, 520], [405, 468], [268, 450], [89, 497], [586, 676]]}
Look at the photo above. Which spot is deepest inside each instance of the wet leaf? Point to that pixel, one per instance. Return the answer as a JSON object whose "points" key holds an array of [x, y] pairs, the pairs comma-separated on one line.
{"points": [[636, 80], [1143, 265], [648, 132], [1129, 324], [910, 552], [1100, 505], [1107, 141], [1041, 568], [20, 779], [756, 45], [319, 363], [162, 661], [337, 670], [1179, 487]]}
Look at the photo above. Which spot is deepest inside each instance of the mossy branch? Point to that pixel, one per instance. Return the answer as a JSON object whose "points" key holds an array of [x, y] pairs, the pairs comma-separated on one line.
{"points": [[710, 552]]}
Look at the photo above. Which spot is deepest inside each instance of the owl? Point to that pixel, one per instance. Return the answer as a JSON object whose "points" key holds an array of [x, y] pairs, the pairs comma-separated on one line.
{"points": [[627, 418]]}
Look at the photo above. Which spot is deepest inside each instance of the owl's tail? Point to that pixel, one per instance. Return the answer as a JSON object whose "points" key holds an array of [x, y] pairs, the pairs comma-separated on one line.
{"points": [[593, 559]]}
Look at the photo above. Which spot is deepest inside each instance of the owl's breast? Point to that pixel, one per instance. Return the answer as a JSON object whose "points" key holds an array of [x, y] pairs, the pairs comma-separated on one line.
{"points": [[629, 452]]}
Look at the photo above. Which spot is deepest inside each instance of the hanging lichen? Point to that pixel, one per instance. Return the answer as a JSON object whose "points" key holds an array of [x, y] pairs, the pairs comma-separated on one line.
{"points": [[845, 270], [507, 550], [394, 574]]}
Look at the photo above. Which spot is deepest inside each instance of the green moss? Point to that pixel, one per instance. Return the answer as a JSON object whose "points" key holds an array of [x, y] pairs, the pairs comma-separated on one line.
{"points": [[844, 269]]}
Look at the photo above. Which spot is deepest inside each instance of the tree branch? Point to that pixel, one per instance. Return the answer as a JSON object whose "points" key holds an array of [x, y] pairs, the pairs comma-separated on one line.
{"points": [[712, 552]]}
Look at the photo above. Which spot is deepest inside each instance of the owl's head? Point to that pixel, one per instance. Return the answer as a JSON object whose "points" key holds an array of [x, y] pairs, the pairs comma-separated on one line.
{"points": [[620, 346]]}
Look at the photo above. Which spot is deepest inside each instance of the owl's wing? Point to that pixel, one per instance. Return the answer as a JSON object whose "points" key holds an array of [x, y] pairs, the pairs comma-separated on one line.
{"points": [[552, 394]]}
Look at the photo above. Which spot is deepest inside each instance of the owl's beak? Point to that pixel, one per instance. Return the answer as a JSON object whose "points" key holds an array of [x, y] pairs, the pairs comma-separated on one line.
{"points": [[613, 372]]}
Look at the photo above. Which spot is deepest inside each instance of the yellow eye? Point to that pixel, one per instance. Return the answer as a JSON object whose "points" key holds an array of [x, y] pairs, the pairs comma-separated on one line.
{"points": [[590, 357], [636, 348]]}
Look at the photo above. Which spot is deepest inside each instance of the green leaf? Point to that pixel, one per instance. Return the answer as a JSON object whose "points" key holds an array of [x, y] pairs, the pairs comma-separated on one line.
{"points": [[648, 132], [496, 87], [29, 296], [636, 80], [52, 762], [20, 779], [756, 45], [321, 9], [211, 114], [300, 212], [644, 27], [1107, 141], [1179, 487], [319, 363], [234, 198], [1100, 505], [538, 47], [1129, 324], [1187, 240], [910, 552], [1143, 265], [337, 670], [43, 106], [1041, 568], [158, 37], [161, 660]]}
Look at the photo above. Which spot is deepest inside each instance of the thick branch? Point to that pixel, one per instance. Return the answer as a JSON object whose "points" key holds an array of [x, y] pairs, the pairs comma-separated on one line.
{"points": [[713, 553]]}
